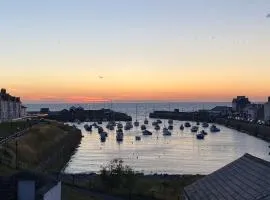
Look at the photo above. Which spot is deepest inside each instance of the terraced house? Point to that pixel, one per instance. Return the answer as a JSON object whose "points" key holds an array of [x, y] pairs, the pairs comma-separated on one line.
{"points": [[10, 106]]}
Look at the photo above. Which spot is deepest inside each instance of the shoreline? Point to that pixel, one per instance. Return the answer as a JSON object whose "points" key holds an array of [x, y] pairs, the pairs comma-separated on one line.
{"points": [[258, 131]]}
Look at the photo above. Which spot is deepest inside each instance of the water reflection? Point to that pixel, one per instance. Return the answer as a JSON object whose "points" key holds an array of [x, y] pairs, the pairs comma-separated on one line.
{"points": [[180, 153]]}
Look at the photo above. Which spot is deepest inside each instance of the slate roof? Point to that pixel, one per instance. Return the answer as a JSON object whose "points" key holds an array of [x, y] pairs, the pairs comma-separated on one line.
{"points": [[221, 108], [247, 178]]}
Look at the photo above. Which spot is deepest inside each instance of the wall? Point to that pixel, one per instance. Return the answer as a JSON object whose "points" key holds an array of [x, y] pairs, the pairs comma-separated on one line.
{"points": [[26, 190], [54, 193], [267, 111], [256, 130]]}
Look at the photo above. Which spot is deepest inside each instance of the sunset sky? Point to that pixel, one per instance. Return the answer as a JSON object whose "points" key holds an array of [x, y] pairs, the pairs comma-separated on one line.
{"points": [[171, 50]]}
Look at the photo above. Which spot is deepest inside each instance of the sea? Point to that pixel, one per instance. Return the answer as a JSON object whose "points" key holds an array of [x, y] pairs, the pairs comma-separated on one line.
{"points": [[180, 153]]}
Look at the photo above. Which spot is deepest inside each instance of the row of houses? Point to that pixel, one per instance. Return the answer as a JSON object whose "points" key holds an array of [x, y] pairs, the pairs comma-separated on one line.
{"points": [[253, 111], [10, 107]]}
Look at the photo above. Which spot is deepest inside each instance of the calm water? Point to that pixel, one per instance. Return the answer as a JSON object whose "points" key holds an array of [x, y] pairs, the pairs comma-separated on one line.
{"points": [[180, 153]]}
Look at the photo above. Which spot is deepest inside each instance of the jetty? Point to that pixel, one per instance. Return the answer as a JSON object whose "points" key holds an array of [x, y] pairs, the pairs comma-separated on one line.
{"points": [[82, 115], [201, 115]]}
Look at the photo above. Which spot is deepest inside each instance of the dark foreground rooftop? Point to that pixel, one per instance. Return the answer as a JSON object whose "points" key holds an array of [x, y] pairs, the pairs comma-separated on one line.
{"points": [[247, 178]]}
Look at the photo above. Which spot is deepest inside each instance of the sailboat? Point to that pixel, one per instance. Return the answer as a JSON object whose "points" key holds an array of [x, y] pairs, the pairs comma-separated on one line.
{"points": [[136, 123], [145, 119]]}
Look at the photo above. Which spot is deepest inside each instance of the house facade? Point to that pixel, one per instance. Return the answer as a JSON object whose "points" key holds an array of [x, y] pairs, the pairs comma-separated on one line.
{"points": [[267, 110], [239, 103], [10, 106]]}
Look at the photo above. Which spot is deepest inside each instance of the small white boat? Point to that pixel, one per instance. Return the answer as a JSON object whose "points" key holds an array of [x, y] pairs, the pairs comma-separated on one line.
{"points": [[136, 123]]}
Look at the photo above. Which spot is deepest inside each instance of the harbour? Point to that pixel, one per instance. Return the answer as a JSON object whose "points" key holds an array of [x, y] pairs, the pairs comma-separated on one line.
{"points": [[180, 153]]}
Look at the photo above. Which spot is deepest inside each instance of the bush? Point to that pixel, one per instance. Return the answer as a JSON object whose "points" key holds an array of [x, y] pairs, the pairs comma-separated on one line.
{"points": [[116, 175]]}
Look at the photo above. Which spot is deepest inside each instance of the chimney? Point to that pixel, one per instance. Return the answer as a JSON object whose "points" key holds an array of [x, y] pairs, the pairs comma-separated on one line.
{"points": [[3, 91]]}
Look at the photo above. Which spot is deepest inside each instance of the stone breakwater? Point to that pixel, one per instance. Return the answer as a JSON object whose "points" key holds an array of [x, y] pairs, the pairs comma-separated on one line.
{"points": [[260, 131]]}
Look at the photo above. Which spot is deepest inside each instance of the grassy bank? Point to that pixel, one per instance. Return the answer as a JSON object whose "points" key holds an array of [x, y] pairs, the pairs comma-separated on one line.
{"points": [[45, 146], [9, 128]]}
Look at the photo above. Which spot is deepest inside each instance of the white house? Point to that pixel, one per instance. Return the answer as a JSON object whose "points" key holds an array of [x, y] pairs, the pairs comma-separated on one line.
{"points": [[10, 106], [23, 111]]}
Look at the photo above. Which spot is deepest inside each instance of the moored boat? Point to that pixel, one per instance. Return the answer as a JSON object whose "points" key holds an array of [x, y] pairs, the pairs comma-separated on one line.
{"points": [[143, 127], [170, 127], [119, 125], [119, 135], [136, 123], [100, 129], [145, 121], [214, 129], [154, 123], [146, 132], [166, 132], [137, 138], [157, 127], [203, 132], [170, 121], [182, 127], [103, 136], [187, 125], [87, 127], [194, 129], [200, 136], [205, 125], [159, 121]]}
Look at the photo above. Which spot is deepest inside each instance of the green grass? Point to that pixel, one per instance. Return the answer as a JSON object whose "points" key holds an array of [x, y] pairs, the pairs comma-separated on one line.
{"points": [[39, 143], [146, 187], [8, 128]]}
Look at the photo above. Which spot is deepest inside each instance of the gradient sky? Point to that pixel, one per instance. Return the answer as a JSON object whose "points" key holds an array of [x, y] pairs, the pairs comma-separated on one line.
{"points": [[199, 50]]}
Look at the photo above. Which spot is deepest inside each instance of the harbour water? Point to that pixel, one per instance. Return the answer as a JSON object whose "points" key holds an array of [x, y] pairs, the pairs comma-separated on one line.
{"points": [[180, 153]]}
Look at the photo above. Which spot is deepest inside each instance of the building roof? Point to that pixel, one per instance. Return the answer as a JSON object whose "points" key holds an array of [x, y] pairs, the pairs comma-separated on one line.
{"points": [[43, 183], [246, 178], [221, 108]]}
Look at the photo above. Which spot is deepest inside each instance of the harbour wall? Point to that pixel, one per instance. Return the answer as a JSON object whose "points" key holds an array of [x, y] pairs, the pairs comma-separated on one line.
{"points": [[256, 130]]}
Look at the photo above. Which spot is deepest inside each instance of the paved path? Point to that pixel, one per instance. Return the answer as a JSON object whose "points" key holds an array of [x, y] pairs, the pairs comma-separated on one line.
{"points": [[13, 136]]}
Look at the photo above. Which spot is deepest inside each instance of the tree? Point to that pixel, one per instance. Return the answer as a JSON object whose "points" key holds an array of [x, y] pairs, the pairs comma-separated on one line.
{"points": [[116, 175]]}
